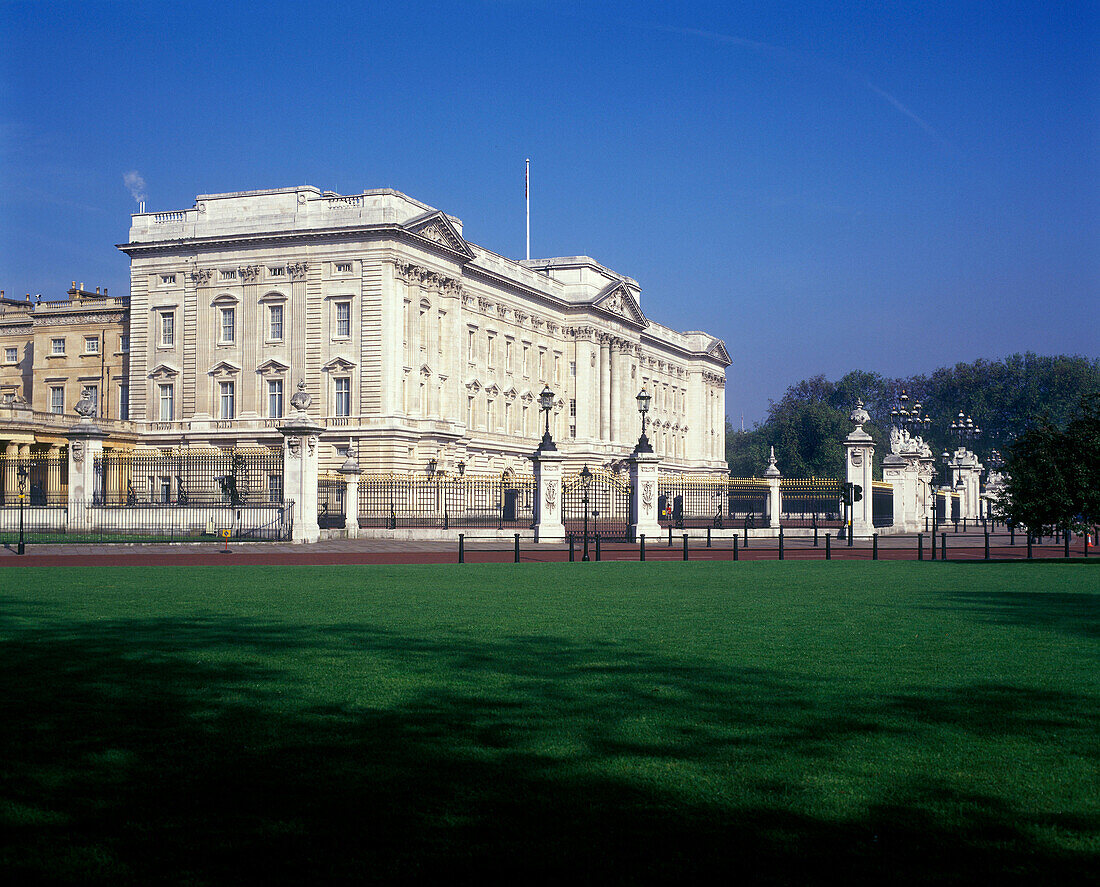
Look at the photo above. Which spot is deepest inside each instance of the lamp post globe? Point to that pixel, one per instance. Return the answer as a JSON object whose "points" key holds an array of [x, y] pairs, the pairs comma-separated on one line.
{"points": [[586, 479], [644, 398], [21, 472], [546, 404]]}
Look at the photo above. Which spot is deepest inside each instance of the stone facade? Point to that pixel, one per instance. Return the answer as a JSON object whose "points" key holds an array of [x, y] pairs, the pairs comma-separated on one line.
{"points": [[414, 343]]}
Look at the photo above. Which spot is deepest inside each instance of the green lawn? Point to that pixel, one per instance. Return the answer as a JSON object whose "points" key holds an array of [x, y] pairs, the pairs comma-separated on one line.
{"points": [[780, 722]]}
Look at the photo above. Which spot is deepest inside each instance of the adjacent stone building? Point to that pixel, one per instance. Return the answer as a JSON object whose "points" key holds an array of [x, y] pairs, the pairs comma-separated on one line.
{"points": [[414, 343]]}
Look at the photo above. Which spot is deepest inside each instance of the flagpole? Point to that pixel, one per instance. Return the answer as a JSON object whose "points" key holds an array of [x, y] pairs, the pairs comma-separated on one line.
{"points": [[527, 197]]}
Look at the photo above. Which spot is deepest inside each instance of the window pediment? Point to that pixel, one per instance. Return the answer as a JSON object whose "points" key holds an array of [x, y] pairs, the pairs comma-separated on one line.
{"points": [[338, 365], [225, 300], [163, 371], [272, 297], [224, 368], [272, 367]]}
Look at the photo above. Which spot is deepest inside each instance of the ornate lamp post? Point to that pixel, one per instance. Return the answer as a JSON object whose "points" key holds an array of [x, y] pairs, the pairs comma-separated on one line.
{"points": [[586, 479], [21, 472], [546, 404], [912, 419], [644, 398]]}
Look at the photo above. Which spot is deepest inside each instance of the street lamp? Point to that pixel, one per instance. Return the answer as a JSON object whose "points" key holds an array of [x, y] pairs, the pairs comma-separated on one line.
{"points": [[586, 479], [546, 404], [643, 398], [21, 471]]}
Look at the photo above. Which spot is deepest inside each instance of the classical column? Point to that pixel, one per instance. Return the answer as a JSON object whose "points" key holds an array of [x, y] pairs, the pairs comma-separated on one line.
{"points": [[85, 447], [605, 388], [859, 449], [644, 469], [351, 471], [775, 503], [548, 493], [301, 436]]}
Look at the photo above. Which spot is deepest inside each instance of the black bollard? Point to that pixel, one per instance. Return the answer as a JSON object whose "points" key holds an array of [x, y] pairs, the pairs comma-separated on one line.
{"points": [[735, 547], [746, 534], [1029, 544], [685, 546], [920, 546], [1065, 541], [815, 532], [517, 548], [781, 543], [874, 546], [708, 537], [828, 548], [850, 539], [572, 550], [1012, 534], [987, 545], [670, 535], [641, 547], [597, 546], [943, 546], [461, 548]]}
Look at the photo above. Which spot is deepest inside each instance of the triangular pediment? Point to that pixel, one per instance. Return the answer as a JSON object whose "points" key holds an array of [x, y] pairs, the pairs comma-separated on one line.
{"points": [[617, 300], [474, 385], [163, 371], [272, 366], [436, 227], [339, 365], [718, 352], [223, 368]]}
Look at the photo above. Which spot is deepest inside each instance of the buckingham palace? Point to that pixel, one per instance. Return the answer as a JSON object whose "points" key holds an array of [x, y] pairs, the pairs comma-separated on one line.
{"points": [[414, 344]]}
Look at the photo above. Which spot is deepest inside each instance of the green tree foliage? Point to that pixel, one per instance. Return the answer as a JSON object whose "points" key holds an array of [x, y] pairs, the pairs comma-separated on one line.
{"points": [[1054, 474], [1005, 398]]}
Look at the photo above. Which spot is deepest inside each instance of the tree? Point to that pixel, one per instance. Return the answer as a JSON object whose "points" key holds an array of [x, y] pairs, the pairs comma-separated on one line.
{"points": [[1054, 474]]}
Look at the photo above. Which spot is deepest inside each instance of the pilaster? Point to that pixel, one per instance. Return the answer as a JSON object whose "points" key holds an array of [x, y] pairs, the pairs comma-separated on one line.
{"points": [[548, 491], [644, 470]]}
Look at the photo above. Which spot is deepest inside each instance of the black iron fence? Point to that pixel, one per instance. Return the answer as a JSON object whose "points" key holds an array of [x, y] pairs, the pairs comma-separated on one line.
{"points": [[882, 505], [605, 499], [331, 502], [443, 501], [148, 522], [44, 479], [810, 502], [190, 476]]}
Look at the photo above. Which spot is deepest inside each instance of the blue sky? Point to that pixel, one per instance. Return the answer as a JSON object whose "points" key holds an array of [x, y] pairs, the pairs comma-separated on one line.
{"points": [[826, 186]]}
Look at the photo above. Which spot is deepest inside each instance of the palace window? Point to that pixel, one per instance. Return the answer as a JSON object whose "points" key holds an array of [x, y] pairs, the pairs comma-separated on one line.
{"points": [[490, 415], [167, 329], [275, 322], [57, 398], [275, 488], [228, 323], [91, 344], [275, 398], [542, 364], [490, 350], [343, 397], [226, 398], [124, 344], [167, 411], [343, 320], [92, 393], [167, 279], [507, 418], [343, 267], [228, 274], [11, 355], [57, 346], [508, 355], [124, 401], [526, 361], [276, 271], [572, 409], [573, 369], [471, 344], [469, 412], [557, 367]]}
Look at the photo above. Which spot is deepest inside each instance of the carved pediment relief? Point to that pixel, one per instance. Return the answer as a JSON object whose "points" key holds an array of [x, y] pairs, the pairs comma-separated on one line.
{"points": [[616, 299], [164, 371], [224, 368], [474, 385], [338, 365], [718, 350], [436, 227], [272, 367]]}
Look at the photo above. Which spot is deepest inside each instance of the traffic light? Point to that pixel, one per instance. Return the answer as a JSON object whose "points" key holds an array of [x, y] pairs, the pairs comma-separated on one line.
{"points": [[847, 494], [857, 493]]}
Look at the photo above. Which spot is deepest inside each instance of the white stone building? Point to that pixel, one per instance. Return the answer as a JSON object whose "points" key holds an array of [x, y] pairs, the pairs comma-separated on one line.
{"points": [[414, 343]]}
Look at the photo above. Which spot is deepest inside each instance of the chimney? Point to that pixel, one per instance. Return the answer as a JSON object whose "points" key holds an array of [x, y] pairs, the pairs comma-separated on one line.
{"points": [[97, 290], [104, 290]]}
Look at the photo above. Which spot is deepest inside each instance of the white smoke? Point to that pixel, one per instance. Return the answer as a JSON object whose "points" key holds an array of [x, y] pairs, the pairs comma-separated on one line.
{"points": [[134, 181]]}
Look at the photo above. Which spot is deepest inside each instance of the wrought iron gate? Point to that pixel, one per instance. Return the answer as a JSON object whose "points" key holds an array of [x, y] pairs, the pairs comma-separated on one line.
{"points": [[607, 499]]}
